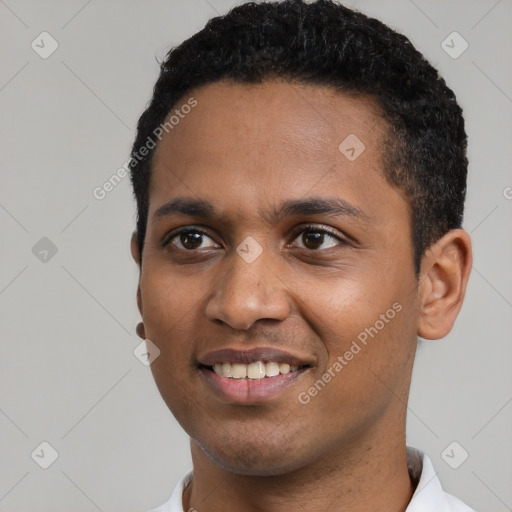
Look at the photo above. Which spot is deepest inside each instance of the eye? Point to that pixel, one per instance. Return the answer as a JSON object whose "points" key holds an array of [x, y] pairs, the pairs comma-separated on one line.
{"points": [[190, 239], [310, 238], [314, 238]]}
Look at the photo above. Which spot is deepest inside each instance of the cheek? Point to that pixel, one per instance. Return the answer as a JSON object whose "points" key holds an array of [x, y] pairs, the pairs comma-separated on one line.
{"points": [[170, 315], [367, 327], [170, 300], [344, 303]]}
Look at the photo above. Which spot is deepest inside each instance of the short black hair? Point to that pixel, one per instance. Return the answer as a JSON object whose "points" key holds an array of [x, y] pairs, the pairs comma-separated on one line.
{"points": [[324, 43]]}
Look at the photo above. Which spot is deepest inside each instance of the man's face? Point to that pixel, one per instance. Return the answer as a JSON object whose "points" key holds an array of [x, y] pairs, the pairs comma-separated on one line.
{"points": [[304, 281]]}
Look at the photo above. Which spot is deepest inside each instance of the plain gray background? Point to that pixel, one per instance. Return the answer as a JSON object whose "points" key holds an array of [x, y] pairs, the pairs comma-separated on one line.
{"points": [[68, 375]]}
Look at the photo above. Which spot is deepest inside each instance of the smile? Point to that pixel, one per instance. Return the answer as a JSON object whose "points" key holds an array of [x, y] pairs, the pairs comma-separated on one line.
{"points": [[249, 383], [255, 375], [256, 370]]}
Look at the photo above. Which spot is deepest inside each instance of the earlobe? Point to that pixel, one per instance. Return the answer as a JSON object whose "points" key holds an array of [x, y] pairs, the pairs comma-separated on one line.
{"points": [[444, 276]]}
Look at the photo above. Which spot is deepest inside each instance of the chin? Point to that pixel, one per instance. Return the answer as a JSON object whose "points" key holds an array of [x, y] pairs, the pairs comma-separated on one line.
{"points": [[238, 464], [253, 459]]}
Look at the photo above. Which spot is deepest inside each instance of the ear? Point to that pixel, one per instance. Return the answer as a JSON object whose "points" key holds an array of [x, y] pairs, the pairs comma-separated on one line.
{"points": [[444, 275], [135, 250]]}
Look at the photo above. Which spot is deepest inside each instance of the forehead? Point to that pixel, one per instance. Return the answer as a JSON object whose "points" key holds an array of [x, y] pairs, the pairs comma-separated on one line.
{"points": [[304, 116], [274, 138]]}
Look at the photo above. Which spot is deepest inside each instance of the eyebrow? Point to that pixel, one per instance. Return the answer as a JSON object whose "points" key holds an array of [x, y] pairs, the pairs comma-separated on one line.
{"points": [[312, 206]]}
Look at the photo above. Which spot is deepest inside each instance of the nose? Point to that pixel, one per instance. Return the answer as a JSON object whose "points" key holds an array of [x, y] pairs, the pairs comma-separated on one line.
{"points": [[247, 292]]}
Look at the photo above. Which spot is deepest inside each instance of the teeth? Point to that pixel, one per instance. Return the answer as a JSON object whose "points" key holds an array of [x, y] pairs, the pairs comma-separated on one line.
{"points": [[272, 369], [257, 370], [238, 371], [284, 368], [226, 369]]}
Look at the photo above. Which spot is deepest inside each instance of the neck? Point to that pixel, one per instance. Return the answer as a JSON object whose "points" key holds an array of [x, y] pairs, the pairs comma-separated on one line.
{"points": [[358, 478]]}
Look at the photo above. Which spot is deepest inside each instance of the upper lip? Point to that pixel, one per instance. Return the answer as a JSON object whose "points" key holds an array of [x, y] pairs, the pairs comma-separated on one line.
{"points": [[248, 356]]}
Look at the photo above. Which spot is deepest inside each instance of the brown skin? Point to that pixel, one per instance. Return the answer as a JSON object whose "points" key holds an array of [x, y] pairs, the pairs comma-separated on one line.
{"points": [[248, 148]]}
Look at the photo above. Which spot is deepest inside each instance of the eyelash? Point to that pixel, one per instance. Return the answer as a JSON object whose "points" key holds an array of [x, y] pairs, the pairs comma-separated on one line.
{"points": [[308, 228]]}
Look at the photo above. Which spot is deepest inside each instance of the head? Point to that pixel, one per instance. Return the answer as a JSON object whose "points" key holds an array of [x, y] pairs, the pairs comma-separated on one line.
{"points": [[318, 163]]}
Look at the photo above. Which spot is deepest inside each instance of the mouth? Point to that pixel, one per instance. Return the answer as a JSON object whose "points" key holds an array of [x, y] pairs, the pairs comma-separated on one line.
{"points": [[251, 376], [253, 371]]}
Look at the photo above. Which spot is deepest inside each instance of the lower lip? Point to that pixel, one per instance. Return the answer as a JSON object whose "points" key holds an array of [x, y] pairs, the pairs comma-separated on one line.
{"points": [[250, 390]]}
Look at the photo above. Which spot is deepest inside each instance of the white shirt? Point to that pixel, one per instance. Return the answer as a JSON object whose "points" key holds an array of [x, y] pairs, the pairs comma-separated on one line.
{"points": [[428, 496]]}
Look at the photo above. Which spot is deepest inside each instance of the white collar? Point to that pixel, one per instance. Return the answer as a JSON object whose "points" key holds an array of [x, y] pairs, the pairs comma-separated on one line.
{"points": [[428, 496]]}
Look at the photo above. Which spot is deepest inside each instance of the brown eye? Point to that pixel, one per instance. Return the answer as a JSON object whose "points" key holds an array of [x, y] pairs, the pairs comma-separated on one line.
{"points": [[191, 239], [315, 239], [312, 240]]}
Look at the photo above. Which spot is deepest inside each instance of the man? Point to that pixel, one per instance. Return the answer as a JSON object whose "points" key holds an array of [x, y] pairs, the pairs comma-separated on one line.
{"points": [[300, 176]]}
